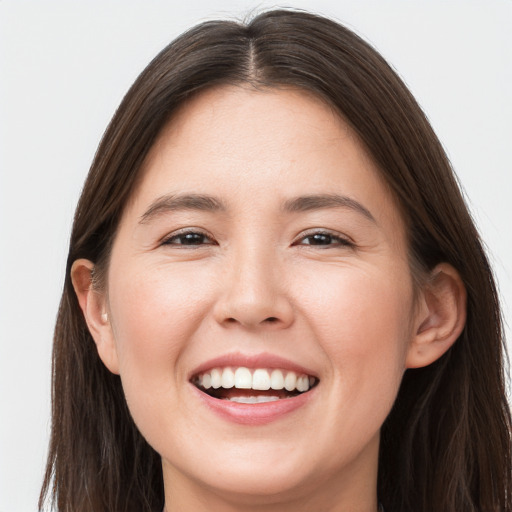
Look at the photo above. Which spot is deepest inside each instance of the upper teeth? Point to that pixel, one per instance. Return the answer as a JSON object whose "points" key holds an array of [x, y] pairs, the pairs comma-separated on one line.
{"points": [[259, 379]]}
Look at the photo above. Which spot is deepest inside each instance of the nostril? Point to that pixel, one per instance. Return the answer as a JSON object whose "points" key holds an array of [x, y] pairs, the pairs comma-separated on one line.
{"points": [[270, 320]]}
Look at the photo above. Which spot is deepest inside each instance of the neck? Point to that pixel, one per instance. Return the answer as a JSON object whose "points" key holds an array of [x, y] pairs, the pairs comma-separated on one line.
{"points": [[335, 495], [379, 508]]}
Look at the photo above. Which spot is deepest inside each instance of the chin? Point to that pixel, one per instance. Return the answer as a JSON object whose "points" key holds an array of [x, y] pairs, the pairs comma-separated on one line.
{"points": [[247, 484], [258, 477]]}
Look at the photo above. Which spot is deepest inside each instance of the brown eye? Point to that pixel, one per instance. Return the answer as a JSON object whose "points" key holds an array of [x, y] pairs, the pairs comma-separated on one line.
{"points": [[189, 238], [324, 239], [319, 239]]}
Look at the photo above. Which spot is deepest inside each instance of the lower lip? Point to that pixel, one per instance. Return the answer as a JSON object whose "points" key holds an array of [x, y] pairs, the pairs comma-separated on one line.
{"points": [[254, 414]]}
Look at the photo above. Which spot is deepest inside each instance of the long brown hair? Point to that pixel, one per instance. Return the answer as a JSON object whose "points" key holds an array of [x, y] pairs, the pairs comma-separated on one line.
{"points": [[446, 445]]}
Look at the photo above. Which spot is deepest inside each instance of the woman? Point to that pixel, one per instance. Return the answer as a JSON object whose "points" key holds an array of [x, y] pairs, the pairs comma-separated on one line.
{"points": [[275, 296]]}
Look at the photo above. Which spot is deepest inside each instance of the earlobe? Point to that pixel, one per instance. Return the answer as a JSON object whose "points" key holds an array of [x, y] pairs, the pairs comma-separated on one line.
{"points": [[441, 317], [94, 308]]}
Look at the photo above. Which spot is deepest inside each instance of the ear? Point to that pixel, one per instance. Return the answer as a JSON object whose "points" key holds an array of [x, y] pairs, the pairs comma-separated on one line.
{"points": [[441, 317], [94, 307]]}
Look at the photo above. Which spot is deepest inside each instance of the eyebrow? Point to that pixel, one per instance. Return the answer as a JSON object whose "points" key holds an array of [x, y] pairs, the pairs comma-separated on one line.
{"points": [[169, 203], [322, 201]]}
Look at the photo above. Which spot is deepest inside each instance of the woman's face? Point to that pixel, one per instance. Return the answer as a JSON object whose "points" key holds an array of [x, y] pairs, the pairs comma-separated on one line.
{"points": [[261, 247]]}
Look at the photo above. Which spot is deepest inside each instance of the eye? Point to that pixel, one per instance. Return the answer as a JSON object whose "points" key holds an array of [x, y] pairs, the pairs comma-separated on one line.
{"points": [[188, 238], [324, 239]]}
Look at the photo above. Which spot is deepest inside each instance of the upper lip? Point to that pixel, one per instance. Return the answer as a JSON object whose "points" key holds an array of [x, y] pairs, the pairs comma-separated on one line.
{"points": [[262, 360]]}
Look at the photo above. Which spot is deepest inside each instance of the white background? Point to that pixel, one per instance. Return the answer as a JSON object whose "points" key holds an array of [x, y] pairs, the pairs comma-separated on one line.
{"points": [[64, 67]]}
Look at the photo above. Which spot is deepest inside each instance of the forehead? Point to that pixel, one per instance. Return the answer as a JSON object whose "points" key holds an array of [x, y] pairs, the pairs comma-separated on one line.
{"points": [[252, 145], [236, 121]]}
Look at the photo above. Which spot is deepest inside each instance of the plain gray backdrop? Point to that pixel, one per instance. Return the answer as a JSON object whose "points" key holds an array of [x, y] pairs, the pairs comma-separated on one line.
{"points": [[64, 67]]}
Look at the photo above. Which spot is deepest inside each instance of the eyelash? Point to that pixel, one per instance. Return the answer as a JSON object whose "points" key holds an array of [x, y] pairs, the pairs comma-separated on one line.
{"points": [[196, 235], [339, 240], [188, 233]]}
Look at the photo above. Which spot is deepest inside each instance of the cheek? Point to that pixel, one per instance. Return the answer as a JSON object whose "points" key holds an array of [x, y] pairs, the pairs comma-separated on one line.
{"points": [[155, 314], [362, 320], [361, 310]]}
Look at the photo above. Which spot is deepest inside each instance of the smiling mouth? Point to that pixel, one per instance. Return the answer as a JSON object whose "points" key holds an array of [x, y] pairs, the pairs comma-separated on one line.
{"points": [[253, 386]]}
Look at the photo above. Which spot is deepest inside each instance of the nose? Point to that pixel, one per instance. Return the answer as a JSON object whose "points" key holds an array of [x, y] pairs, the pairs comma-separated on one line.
{"points": [[253, 293]]}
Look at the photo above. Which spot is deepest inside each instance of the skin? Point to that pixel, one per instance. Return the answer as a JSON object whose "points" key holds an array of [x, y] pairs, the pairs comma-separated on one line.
{"points": [[254, 283]]}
